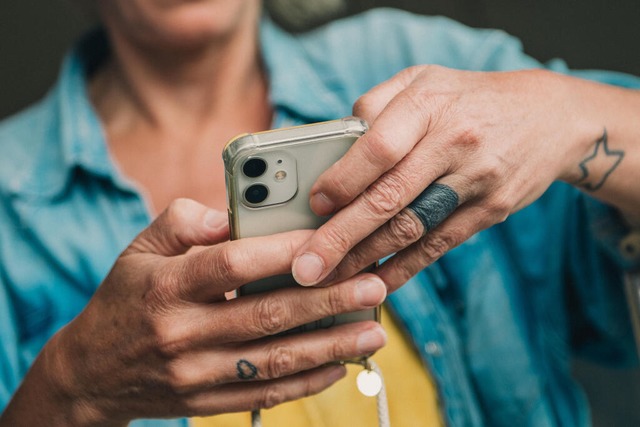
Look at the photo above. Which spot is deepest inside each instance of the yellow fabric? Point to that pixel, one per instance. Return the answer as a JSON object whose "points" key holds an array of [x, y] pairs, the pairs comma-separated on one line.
{"points": [[411, 393]]}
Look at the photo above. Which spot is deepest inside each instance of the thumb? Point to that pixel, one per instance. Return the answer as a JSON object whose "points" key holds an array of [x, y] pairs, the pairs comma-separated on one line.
{"points": [[184, 224]]}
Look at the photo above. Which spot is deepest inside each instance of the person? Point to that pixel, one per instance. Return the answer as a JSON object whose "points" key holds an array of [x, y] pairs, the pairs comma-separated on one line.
{"points": [[531, 172]]}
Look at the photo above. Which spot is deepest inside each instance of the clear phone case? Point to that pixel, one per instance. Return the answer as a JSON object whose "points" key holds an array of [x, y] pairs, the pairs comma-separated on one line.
{"points": [[269, 176]]}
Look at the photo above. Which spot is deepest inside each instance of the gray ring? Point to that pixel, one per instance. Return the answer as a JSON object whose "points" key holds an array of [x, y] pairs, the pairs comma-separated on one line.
{"points": [[434, 205]]}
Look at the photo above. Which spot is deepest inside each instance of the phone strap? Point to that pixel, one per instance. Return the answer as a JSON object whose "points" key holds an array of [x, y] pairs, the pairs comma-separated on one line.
{"points": [[369, 382]]}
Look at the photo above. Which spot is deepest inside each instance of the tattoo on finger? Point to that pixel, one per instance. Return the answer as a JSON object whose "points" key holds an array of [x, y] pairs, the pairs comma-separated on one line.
{"points": [[246, 370], [434, 205]]}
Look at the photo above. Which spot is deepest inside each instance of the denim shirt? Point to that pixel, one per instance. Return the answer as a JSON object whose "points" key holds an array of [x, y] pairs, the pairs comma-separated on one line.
{"points": [[496, 320]]}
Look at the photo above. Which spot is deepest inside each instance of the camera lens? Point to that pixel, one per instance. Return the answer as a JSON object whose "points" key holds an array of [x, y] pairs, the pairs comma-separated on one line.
{"points": [[253, 168], [257, 193]]}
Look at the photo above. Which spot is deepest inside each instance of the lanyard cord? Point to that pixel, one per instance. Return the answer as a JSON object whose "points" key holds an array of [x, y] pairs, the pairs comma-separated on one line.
{"points": [[381, 400]]}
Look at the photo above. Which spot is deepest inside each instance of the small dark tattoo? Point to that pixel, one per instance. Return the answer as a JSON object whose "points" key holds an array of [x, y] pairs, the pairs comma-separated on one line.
{"points": [[604, 159], [246, 370]]}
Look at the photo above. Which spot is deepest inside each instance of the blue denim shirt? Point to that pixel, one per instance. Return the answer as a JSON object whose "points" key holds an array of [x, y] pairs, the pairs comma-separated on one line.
{"points": [[495, 320]]}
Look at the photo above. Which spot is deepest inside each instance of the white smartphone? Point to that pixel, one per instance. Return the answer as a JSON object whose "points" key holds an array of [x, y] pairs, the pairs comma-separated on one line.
{"points": [[269, 176]]}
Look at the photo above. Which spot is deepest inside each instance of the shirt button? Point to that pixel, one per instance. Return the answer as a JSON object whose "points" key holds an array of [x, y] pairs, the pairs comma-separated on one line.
{"points": [[433, 348], [630, 246]]}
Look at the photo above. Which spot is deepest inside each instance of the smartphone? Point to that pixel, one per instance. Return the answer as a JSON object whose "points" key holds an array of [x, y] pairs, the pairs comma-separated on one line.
{"points": [[268, 178]]}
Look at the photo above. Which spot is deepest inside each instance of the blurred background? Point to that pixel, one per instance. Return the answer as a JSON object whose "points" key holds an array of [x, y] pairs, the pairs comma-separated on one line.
{"points": [[34, 34]]}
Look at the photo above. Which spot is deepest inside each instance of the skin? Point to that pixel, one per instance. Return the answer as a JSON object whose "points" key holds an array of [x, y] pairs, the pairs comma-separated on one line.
{"points": [[159, 339], [498, 140]]}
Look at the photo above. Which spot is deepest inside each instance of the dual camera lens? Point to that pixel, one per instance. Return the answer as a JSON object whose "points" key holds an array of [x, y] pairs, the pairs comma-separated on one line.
{"points": [[256, 193]]}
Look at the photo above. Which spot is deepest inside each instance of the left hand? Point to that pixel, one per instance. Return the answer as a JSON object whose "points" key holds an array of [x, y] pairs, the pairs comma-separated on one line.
{"points": [[486, 145]]}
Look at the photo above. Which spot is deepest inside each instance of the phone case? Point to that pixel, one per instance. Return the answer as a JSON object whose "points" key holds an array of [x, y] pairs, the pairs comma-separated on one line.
{"points": [[294, 157]]}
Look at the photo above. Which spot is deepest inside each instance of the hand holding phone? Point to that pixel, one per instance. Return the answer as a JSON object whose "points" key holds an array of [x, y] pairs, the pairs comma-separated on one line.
{"points": [[269, 176]]}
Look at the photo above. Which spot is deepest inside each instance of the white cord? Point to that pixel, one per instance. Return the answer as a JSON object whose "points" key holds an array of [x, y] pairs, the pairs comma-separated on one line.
{"points": [[381, 401], [381, 398]]}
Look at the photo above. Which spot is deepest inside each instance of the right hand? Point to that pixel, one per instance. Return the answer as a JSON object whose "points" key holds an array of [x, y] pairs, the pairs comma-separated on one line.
{"points": [[159, 339]]}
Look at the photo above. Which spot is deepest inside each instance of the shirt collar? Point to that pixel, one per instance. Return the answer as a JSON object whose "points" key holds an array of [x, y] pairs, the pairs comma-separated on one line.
{"points": [[67, 134], [296, 84], [296, 88], [81, 134]]}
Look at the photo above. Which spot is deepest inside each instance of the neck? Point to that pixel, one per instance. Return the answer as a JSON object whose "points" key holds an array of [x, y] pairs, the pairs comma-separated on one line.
{"points": [[182, 91]]}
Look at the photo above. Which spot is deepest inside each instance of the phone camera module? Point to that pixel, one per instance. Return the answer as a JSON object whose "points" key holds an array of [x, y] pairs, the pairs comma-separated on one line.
{"points": [[255, 167], [256, 193]]}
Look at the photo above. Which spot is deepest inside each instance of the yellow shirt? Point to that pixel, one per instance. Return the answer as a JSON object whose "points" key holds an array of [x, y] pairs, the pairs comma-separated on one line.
{"points": [[410, 391]]}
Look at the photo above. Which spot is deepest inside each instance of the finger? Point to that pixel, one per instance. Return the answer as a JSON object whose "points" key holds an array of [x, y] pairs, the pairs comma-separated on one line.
{"points": [[388, 141], [223, 268], [374, 207], [185, 223], [424, 214], [371, 104], [460, 226], [274, 358], [263, 394], [255, 316]]}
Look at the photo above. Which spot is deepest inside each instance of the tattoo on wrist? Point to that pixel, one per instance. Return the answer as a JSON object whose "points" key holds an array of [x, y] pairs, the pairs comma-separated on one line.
{"points": [[246, 370], [598, 166]]}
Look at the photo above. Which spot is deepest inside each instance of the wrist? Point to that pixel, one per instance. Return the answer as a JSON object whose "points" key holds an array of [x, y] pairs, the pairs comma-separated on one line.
{"points": [[580, 124], [47, 395], [61, 364]]}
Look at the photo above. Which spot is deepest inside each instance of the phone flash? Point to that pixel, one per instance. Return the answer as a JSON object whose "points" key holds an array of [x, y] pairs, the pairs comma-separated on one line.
{"points": [[280, 175]]}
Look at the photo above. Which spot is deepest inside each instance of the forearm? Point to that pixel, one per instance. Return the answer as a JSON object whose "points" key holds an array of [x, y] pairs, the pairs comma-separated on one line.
{"points": [[607, 164]]}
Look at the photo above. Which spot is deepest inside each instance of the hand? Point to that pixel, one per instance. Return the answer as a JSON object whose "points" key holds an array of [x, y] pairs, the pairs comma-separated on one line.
{"points": [[159, 339], [483, 145]]}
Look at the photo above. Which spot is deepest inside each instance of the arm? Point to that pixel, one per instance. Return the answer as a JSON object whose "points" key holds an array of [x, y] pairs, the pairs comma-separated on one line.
{"points": [[159, 339]]}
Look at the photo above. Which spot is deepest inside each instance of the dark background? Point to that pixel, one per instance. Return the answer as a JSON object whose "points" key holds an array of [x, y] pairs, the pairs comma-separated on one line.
{"points": [[34, 35]]}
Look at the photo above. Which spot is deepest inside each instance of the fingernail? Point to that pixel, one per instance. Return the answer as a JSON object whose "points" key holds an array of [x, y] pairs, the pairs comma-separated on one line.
{"points": [[215, 220], [371, 340], [307, 269], [370, 292], [321, 204]]}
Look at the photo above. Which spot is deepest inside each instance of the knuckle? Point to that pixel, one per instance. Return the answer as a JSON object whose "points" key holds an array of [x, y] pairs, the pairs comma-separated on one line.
{"points": [[159, 279], [179, 380], [363, 104], [229, 264], [468, 136], [340, 349], [178, 209], [171, 339], [336, 301], [405, 228], [270, 315], [337, 239], [272, 396], [385, 196], [336, 185], [162, 285], [491, 171], [498, 208], [409, 74], [437, 244], [381, 153], [280, 362]]}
